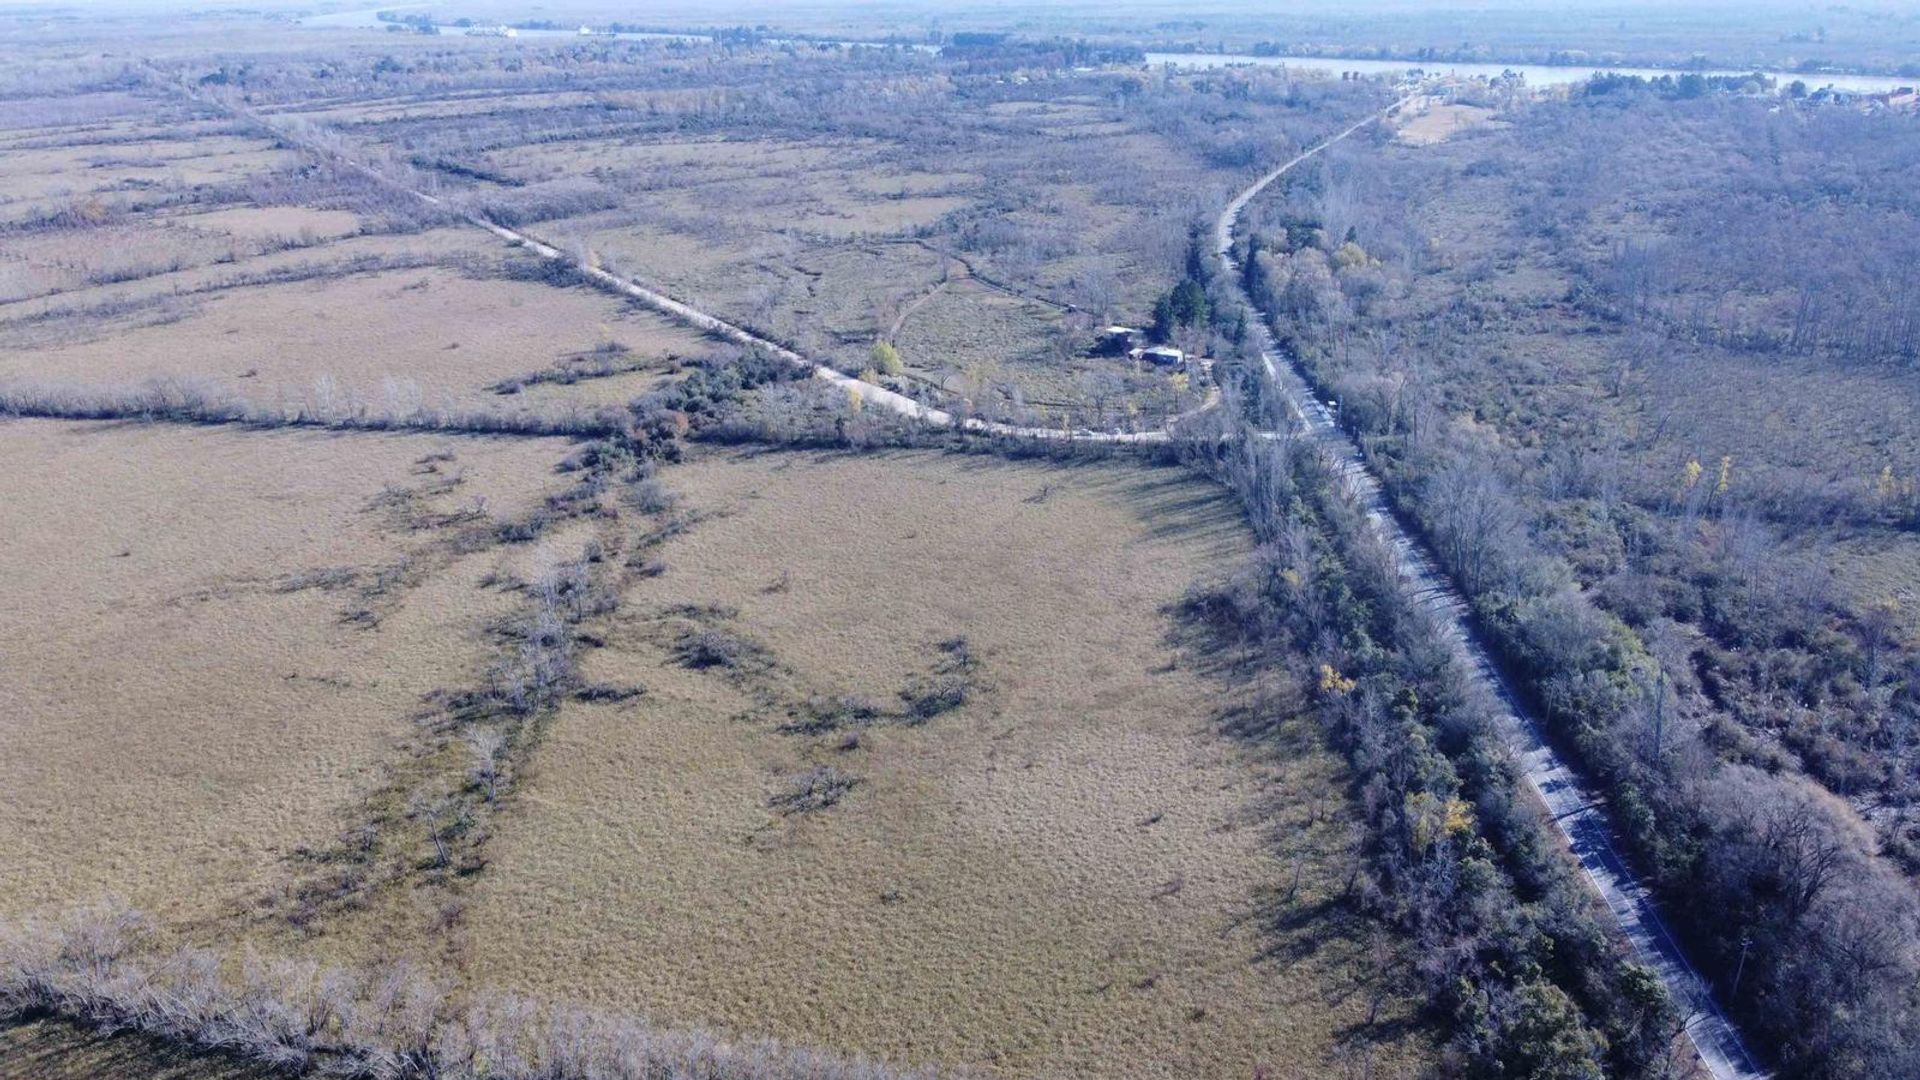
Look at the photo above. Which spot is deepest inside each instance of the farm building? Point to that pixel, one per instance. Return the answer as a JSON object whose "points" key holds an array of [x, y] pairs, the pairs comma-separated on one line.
{"points": [[1115, 340], [1160, 355]]}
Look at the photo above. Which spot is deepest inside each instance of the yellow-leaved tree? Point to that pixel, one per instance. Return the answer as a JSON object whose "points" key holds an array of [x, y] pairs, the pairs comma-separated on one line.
{"points": [[886, 359]]}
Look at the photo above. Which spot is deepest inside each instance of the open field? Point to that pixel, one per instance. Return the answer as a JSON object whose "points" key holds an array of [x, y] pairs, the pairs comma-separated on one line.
{"points": [[282, 288], [1074, 873], [829, 221], [910, 755], [359, 722], [183, 707], [382, 339], [1437, 123]]}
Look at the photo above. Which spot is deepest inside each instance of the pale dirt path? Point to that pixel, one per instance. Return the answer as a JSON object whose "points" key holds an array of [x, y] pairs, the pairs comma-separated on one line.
{"points": [[900, 320], [869, 394], [1577, 814]]}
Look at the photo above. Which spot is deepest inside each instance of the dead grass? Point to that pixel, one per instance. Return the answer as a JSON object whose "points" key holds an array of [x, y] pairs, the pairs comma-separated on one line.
{"points": [[1072, 874], [179, 713], [277, 223], [35, 180], [253, 260], [1438, 123], [935, 783], [430, 333], [50, 1050]]}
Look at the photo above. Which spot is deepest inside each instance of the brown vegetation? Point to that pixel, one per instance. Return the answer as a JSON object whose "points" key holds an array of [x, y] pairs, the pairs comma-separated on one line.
{"points": [[928, 723], [189, 699], [1034, 833]]}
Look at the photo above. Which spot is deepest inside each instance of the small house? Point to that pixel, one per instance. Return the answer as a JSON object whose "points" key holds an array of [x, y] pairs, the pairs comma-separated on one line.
{"points": [[1161, 355], [1115, 340]]}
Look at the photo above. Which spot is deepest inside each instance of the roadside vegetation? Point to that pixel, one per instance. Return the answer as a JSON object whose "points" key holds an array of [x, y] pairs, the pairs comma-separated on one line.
{"points": [[463, 640], [1614, 358]]}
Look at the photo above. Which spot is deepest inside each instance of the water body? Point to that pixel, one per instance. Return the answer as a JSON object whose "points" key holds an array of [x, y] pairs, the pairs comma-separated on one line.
{"points": [[1535, 74], [370, 20]]}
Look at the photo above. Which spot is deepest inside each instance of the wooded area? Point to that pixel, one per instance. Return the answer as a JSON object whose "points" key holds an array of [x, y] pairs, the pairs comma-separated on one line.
{"points": [[1642, 368]]}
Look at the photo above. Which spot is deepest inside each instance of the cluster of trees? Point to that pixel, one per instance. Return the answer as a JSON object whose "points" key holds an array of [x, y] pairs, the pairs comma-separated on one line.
{"points": [[108, 968], [1689, 85], [1790, 238], [1502, 939], [1688, 668], [987, 51], [195, 401], [418, 22], [713, 389]]}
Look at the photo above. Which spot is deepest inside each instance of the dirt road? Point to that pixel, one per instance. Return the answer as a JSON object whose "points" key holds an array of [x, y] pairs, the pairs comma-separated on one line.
{"points": [[1578, 815]]}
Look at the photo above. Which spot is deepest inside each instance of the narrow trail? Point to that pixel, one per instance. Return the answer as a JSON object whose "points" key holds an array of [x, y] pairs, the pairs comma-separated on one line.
{"points": [[1578, 814], [900, 320], [868, 394]]}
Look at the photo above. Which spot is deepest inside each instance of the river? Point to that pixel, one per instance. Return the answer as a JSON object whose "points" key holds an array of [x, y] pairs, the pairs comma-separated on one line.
{"points": [[1535, 74]]}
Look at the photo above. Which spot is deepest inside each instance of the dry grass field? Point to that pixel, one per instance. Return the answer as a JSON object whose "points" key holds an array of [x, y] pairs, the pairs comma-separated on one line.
{"points": [[896, 754], [1074, 873], [1438, 123], [821, 219], [378, 338], [181, 708]]}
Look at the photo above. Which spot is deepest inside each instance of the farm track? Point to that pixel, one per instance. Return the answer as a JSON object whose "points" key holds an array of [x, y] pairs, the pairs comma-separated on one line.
{"points": [[1577, 814]]}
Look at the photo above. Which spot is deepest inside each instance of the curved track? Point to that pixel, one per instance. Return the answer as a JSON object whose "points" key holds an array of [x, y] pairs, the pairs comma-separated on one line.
{"points": [[1578, 815]]}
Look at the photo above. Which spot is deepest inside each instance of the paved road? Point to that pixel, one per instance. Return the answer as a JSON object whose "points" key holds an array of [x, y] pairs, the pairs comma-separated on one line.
{"points": [[1579, 816]]}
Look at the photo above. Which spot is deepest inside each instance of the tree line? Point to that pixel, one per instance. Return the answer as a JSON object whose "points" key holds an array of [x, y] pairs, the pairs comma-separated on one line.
{"points": [[1586, 588]]}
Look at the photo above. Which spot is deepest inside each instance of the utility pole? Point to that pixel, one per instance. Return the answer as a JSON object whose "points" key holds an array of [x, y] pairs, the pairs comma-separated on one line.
{"points": [[1746, 942], [1660, 716]]}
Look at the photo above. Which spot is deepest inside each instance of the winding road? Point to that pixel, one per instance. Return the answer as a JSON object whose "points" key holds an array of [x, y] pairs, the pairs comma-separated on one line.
{"points": [[1577, 814]]}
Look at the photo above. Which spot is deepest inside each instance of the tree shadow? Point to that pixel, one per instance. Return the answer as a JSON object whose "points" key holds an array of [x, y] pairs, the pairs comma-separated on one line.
{"points": [[1266, 713], [47, 1049]]}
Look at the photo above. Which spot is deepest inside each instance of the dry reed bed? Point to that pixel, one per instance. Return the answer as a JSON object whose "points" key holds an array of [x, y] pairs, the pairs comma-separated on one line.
{"points": [[1070, 874], [181, 713]]}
